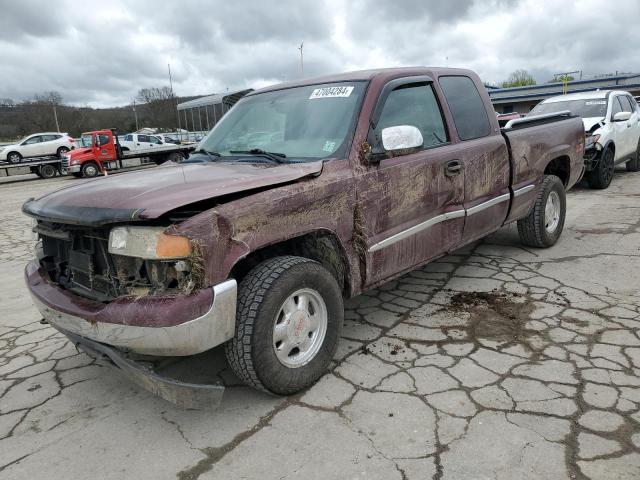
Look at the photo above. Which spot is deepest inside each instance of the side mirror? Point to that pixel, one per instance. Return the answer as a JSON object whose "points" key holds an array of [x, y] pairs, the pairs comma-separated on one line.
{"points": [[622, 116], [401, 137]]}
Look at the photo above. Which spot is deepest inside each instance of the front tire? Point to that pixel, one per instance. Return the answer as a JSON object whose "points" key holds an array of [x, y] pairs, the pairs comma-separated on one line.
{"points": [[90, 170], [634, 165], [600, 177], [543, 226], [288, 323]]}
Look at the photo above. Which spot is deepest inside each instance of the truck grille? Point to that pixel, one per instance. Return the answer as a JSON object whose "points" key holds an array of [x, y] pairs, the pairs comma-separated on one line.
{"points": [[64, 163], [77, 259]]}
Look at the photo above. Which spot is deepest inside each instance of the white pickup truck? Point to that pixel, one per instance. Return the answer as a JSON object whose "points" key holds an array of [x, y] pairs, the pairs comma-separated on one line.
{"points": [[612, 124], [138, 141]]}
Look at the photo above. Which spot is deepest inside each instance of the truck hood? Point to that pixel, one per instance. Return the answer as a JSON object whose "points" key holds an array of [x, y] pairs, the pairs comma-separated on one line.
{"points": [[148, 194], [590, 122]]}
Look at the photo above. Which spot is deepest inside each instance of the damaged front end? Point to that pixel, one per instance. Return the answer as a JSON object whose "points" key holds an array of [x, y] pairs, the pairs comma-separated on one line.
{"points": [[127, 291], [104, 264], [592, 147]]}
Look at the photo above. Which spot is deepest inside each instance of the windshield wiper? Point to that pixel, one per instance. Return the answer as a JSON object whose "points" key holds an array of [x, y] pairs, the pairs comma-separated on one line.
{"points": [[213, 156], [258, 152]]}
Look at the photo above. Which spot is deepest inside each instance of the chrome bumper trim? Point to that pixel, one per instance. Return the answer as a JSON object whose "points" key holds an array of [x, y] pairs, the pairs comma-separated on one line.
{"points": [[195, 336]]}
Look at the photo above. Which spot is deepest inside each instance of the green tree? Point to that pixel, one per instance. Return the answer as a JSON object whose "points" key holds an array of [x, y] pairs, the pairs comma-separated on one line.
{"points": [[519, 78]]}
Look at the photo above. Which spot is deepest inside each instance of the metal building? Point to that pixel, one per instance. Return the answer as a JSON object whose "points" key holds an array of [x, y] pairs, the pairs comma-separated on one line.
{"points": [[523, 99], [201, 114]]}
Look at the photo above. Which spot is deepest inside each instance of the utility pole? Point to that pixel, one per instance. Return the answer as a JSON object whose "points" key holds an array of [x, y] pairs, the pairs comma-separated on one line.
{"points": [[301, 59], [55, 115], [135, 114], [174, 100]]}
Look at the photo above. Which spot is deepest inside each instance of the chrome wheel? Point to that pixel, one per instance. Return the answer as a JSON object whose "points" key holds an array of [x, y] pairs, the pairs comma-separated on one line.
{"points": [[299, 328], [552, 212], [90, 171]]}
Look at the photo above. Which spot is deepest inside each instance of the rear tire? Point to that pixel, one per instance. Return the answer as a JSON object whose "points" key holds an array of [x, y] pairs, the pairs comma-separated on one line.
{"points": [[600, 177], [90, 170], [14, 157], [47, 171], [288, 323], [634, 165], [177, 157], [543, 226], [61, 151]]}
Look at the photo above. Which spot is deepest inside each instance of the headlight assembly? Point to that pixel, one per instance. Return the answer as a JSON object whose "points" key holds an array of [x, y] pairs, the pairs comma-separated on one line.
{"points": [[150, 243]]}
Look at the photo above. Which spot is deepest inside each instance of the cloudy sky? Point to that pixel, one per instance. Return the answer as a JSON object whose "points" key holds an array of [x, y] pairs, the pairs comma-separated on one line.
{"points": [[102, 53]]}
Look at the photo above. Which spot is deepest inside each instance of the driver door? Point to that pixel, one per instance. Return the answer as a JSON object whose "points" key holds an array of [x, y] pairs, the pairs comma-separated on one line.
{"points": [[410, 202], [621, 130]]}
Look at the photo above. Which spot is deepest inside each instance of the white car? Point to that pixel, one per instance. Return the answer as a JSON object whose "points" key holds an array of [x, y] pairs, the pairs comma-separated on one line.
{"points": [[612, 124], [38, 145]]}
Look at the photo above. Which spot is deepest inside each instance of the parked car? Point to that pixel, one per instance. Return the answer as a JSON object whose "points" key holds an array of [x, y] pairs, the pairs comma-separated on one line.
{"points": [[38, 145], [368, 175], [612, 123]]}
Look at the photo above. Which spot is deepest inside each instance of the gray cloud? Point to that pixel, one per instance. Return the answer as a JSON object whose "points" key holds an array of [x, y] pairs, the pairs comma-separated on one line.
{"points": [[100, 54]]}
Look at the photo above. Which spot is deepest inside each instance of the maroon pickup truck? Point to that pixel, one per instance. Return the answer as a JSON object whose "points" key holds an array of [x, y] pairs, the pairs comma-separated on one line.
{"points": [[304, 194]]}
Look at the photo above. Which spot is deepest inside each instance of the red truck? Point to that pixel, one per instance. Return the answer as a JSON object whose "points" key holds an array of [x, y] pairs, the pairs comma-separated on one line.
{"points": [[100, 150], [304, 194]]}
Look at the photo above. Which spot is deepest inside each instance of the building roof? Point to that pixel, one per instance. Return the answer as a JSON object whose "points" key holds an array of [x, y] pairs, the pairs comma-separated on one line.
{"points": [[228, 98], [548, 90]]}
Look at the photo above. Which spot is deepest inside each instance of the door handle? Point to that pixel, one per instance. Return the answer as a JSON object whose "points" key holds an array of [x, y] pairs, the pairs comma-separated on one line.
{"points": [[454, 167]]}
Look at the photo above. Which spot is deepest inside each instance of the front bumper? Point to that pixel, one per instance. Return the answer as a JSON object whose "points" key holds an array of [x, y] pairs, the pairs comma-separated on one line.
{"points": [[73, 168], [186, 395], [145, 326]]}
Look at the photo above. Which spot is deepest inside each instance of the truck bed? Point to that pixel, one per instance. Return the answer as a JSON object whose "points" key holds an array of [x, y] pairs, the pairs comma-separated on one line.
{"points": [[145, 152], [532, 145]]}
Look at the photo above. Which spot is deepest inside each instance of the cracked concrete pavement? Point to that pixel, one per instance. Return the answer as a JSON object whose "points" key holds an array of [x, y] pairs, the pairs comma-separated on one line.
{"points": [[494, 362]]}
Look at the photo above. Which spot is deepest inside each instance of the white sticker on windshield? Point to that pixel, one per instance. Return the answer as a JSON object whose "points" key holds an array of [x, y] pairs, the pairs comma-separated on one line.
{"points": [[331, 92], [596, 102]]}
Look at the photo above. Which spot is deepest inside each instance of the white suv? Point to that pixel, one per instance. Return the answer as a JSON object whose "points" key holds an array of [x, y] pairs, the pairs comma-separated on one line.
{"points": [[612, 124], [38, 145]]}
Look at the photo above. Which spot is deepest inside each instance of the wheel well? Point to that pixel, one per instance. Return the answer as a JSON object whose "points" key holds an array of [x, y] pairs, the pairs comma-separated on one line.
{"points": [[322, 247], [560, 167]]}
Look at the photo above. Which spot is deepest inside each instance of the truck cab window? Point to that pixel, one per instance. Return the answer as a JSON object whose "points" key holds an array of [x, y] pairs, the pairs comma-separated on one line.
{"points": [[466, 105], [415, 105]]}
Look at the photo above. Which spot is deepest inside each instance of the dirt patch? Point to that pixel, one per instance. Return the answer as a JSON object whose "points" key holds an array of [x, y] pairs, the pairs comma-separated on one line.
{"points": [[494, 315]]}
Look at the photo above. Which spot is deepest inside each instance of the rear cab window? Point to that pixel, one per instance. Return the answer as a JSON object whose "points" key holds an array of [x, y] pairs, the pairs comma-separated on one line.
{"points": [[466, 105]]}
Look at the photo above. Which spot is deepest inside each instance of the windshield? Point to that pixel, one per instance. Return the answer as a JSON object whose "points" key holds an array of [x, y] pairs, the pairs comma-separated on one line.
{"points": [[84, 141], [585, 108], [302, 123]]}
